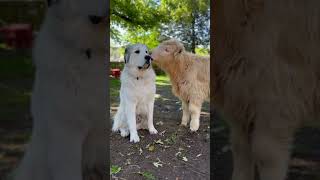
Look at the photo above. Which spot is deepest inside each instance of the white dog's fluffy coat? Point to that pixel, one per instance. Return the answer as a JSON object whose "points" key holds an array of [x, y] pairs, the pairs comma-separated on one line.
{"points": [[136, 94], [68, 104]]}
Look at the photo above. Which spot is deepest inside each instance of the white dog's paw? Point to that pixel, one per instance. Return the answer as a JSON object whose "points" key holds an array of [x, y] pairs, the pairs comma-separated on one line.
{"points": [[194, 125], [124, 132], [153, 130], [115, 129], [134, 137]]}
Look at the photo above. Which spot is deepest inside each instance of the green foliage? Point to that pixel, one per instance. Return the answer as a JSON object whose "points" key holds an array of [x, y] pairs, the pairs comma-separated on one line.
{"points": [[133, 15], [149, 38], [190, 22], [162, 80], [202, 51], [115, 169], [15, 66], [148, 176], [150, 21]]}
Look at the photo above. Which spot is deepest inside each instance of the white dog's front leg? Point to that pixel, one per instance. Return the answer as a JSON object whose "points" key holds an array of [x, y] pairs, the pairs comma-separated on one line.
{"points": [[152, 129], [132, 121], [65, 152]]}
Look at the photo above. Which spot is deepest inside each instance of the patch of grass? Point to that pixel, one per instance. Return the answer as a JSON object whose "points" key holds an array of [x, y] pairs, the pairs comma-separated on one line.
{"points": [[12, 101], [114, 87], [115, 169], [162, 80], [172, 139], [148, 175], [15, 65], [114, 83]]}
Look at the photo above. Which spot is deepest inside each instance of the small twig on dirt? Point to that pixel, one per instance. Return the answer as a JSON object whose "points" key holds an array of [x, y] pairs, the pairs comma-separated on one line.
{"points": [[115, 177], [134, 165], [195, 169]]}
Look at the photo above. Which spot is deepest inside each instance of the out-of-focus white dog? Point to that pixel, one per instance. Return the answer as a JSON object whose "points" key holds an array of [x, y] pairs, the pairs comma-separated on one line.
{"points": [[136, 94], [68, 100]]}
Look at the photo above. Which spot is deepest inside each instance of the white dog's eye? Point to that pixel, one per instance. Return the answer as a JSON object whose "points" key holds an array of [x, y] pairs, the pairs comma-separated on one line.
{"points": [[137, 51], [147, 52]]}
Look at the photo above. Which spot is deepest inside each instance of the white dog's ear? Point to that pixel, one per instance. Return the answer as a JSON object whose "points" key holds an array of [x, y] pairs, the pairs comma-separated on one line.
{"points": [[126, 55]]}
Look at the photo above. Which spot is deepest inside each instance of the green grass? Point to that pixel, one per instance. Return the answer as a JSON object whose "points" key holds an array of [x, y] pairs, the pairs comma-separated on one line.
{"points": [[114, 87], [15, 69], [114, 169], [15, 66], [162, 80], [115, 84], [12, 103]]}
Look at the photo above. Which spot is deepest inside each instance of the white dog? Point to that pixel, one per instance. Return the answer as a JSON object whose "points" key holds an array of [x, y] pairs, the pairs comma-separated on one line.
{"points": [[68, 104], [136, 94]]}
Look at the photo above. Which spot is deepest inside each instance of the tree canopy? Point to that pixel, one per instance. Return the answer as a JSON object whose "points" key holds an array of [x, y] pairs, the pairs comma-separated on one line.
{"points": [[150, 21]]}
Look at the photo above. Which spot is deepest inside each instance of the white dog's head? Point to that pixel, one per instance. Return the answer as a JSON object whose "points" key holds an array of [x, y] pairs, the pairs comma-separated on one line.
{"points": [[137, 56], [80, 7], [81, 23], [167, 51]]}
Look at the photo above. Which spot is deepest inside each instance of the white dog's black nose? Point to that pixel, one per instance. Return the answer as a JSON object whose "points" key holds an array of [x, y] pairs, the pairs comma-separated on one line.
{"points": [[95, 19], [148, 58]]}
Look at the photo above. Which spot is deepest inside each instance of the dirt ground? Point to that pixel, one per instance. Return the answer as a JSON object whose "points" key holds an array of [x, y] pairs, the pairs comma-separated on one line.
{"points": [[305, 158], [174, 153]]}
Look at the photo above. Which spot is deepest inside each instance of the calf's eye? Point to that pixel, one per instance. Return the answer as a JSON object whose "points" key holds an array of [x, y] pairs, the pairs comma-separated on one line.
{"points": [[137, 51]]}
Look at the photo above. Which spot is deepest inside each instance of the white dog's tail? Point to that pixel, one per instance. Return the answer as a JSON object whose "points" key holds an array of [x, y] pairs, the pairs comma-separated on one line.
{"points": [[118, 119]]}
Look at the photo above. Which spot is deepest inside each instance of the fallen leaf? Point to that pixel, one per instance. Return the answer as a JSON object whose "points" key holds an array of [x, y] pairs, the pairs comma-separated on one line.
{"points": [[160, 123], [184, 158], [115, 169], [159, 142], [151, 148], [178, 153], [162, 133], [140, 151], [157, 164], [199, 155], [128, 162]]}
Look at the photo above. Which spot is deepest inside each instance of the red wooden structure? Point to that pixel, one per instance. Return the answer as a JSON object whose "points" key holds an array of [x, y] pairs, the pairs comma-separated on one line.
{"points": [[17, 35], [115, 73]]}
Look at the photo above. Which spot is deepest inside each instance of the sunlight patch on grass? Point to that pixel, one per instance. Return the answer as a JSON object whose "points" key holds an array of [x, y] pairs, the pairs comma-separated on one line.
{"points": [[114, 87], [163, 80]]}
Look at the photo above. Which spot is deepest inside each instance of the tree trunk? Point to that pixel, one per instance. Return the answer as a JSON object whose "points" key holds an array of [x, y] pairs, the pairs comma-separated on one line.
{"points": [[193, 36]]}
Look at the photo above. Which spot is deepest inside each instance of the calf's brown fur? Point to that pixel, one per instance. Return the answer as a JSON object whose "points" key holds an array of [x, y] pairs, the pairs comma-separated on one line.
{"points": [[267, 70], [189, 75]]}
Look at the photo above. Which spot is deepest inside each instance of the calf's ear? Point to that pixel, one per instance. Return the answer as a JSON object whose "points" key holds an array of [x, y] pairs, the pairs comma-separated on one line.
{"points": [[179, 49]]}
